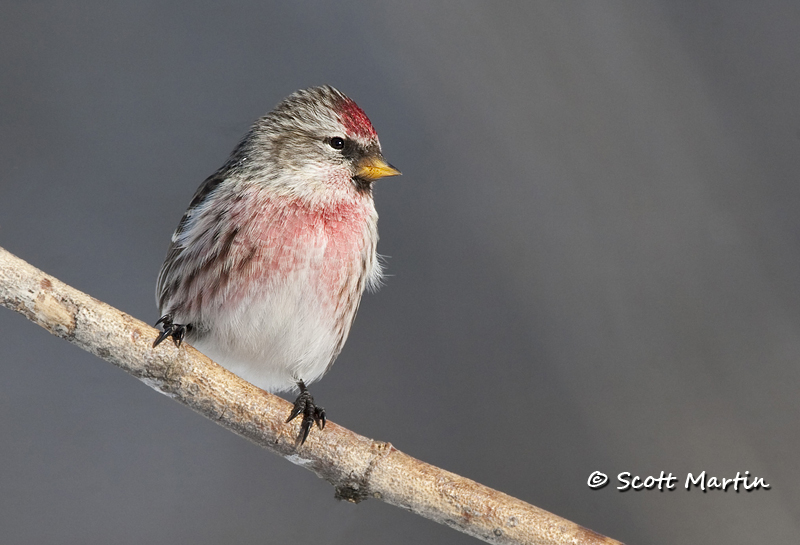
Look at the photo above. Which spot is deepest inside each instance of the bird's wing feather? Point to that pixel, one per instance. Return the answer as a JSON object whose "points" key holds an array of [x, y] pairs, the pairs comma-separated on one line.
{"points": [[173, 264]]}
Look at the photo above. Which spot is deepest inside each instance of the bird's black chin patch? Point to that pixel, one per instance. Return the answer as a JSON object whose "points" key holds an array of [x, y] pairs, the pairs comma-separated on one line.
{"points": [[362, 184]]}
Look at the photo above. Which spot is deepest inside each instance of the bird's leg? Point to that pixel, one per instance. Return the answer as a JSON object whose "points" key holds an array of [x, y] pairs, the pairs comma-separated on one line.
{"points": [[311, 413], [176, 331]]}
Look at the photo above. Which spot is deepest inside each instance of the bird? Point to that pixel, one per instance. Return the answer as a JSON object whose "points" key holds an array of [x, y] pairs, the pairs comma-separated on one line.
{"points": [[265, 271]]}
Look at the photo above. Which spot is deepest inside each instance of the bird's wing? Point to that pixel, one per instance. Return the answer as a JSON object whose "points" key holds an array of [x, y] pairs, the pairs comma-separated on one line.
{"points": [[174, 264]]}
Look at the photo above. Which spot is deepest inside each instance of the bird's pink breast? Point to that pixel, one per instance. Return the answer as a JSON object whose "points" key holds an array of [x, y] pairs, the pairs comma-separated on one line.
{"points": [[287, 239]]}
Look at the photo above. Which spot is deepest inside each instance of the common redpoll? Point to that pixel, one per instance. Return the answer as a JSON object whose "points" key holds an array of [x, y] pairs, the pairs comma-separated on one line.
{"points": [[267, 266]]}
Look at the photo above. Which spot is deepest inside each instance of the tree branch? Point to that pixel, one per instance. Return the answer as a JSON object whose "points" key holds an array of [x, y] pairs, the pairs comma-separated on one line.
{"points": [[356, 466]]}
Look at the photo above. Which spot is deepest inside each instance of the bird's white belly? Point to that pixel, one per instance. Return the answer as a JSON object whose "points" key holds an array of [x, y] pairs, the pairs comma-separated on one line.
{"points": [[275, 336]]}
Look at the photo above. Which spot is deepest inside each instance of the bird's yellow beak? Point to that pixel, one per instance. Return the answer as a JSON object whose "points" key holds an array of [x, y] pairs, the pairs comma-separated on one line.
{"points": [[374, 167]]}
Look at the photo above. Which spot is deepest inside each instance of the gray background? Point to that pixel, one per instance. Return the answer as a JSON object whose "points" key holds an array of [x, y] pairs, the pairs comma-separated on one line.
{"points": [[593, 265]]}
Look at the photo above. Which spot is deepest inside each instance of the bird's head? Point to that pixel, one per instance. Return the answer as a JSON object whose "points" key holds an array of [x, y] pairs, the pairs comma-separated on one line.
{"points": [[318, 140]]}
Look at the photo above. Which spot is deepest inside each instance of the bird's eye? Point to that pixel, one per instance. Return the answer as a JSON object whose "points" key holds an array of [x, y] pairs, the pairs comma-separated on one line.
{"points": [[336, 142]]}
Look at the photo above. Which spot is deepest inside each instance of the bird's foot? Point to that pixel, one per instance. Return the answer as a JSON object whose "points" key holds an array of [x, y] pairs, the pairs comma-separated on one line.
{"points": [[176, 331], [311, 413]]}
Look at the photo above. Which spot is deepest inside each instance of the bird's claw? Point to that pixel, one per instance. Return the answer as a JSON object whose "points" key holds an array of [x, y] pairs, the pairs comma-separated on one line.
{"points": [[311, 414], [176, 331]]}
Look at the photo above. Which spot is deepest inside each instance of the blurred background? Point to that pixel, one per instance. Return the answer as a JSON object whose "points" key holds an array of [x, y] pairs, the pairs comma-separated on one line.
{"points": [[593, 260]]}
